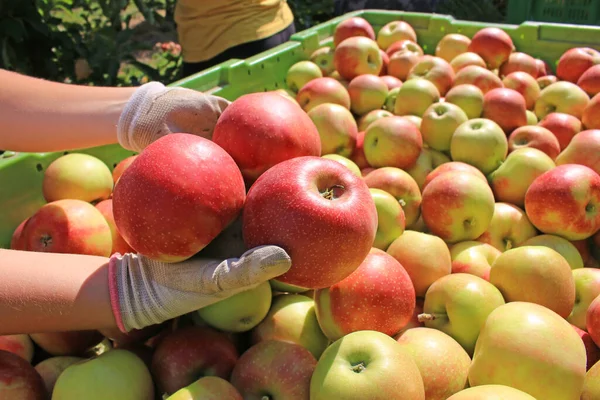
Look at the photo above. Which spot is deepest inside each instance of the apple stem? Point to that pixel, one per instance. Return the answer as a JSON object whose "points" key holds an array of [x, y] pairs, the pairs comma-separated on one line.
{"points": [[358, 368], [265, 398], [330, 194], [46, 240], [426, 317]]}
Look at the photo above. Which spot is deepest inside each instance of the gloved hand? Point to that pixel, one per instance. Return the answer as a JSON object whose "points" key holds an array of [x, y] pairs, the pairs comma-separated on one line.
{"points": [[155, 110], [144, 292]]}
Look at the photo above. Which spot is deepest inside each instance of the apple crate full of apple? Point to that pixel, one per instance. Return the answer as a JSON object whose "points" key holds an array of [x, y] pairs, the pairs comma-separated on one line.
{"points": [[434, 181]]}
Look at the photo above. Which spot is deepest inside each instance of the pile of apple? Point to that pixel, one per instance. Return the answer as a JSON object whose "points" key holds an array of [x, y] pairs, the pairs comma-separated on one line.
{"points": [[442, 214]]}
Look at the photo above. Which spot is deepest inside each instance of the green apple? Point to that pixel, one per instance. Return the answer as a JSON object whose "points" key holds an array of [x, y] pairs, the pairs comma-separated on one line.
{"points": [[532, 119], [452, 45], [390, 218], [367, 93], [395, 31], [278, 286], [207, 388], [512, 179], [323, 57], [370, 117], [439, 123], [491, 392], [337, 128], [591, 384], [561, 97], [414, 119], [240, 312], [561, 245], [390, 100], [428, 160], [509, 228], [530, 348], [535, 274], [481, 143], [443, 363], [115, 374], [468, 97], [474, 258], [458, 305], [292, 318], [300, 74], [366, 365], [587, 288], [415, 96], [346, 162]]}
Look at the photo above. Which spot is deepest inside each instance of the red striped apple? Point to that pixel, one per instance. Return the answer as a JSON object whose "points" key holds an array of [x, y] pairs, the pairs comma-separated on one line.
{"points": [[367, 93], [19, 379], [395, 31], [537, 137], [473, 258], [356, 56], [584, 149], [574, 62], [563, 126], [354, 26], [336, 127], [465, 59], [452, 45], [436, 70], [481, 143], [519, 62], [506, 107], [468, 97], [526, 85], [484, 79], [392, 142], [493, 45], [563, 97], [509, 228], [319, 91]]}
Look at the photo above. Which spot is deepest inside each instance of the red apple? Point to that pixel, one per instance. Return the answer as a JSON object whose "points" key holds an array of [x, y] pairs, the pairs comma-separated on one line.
{"points": [[465, 59], [19, 380], [367, 93], [169, 210], [544, 69], [526, 85], [354, 26], [584, 149], [358, 155], [119, 245], [452, 45], [590, 81], [591, 114], [592, 320], [299, 197], [378, 296], [17, 241], [337, 128], [356, 56], [536, 137], [574, 62], [402, 45], [436, 70], [565, 201], [20, 345], [185, 354], [70, 343], [319, 91], [402, 62], [392, 142], [592, 351], [391, 82], [121, 167], [545, 81], [475, 75], [366, 171], [493, 45], [508, 229], [563, 126], [385, 60], [453, 166], [68, 226], [506, 107], [395, 31], [519, 62]]}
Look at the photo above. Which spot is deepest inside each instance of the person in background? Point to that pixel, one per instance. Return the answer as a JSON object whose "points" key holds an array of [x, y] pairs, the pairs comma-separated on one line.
{"points": [[214, 31]]}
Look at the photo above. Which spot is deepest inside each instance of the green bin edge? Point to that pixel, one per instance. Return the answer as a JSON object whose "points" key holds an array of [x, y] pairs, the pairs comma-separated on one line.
{"points": [[21, 174]]}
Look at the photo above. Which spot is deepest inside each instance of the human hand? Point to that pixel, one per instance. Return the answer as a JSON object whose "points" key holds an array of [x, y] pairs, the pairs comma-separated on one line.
{"points": [[155, 110]]}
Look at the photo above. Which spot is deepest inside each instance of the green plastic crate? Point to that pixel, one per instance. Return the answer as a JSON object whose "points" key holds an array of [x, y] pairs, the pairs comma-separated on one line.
{"points": [[580, 12], [21, 173]]}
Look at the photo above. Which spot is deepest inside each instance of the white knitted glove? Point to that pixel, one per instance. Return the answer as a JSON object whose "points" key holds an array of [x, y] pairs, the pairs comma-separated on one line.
{"points": [[144, 292], [155, 110]]}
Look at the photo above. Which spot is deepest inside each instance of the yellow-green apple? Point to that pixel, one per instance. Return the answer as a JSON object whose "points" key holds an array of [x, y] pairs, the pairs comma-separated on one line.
{"points": [[241, 312], [390, 101], [544, 68], [390, 218], [277, 286], [323, 57], [443, 363], [51, 368], [78, 177], [358, 155], [189, 205], [584, 149], [587, 288], [562, 246], [509, 227], [436, 70], [591, 384], [452, 45], [354, 26], [378, 296], [366, 365], [456, 166], [402, 186], [337, 128], [20, 345], [545, 81], [506, 107], [473, 258], [468, 97], [457, 206], [532, 119], [308, 195], [574, 62], [465, 59], [370, 117], [425, 257], [526, 85], [119, 245], [395, 31], [385, 60], [121, 167], [491, 392], [391, 82], [392, 142], [208, 388], [535, 274], [458, 305], [345, 162], [322, 90], [590, 117], [275, 370], [287, 94], [563, 97], [415, 120], [428, 160], [590, 81], [415, 96], [17, 241], [551, 367], [70, 343], [355, 56], [438, 124], [533, 136], [335, 75], [403, 45], [592, 351], [563, 126], [20, 380], [115, 374], [481, 143], [565, 201], [367, 93], [493, 45], [292, 318], [402, 61], [519, 62], [301, 73], [481, 77]]}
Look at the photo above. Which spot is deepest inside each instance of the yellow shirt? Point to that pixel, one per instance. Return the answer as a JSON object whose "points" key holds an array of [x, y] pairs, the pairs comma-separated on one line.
{"points": [[206, 28]]}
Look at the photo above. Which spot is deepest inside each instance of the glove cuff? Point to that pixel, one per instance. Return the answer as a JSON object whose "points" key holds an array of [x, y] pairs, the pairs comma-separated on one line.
{"points": [[113, 288]]}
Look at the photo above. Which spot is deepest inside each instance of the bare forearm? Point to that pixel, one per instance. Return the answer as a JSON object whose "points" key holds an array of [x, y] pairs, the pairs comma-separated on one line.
{"points": [[40, 116], [42, 292]]}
